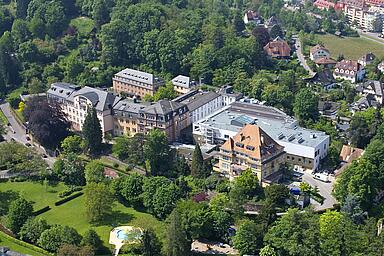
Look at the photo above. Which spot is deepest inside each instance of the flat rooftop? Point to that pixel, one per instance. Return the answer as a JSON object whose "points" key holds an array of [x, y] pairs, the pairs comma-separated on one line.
{"points": [[278, 125]]}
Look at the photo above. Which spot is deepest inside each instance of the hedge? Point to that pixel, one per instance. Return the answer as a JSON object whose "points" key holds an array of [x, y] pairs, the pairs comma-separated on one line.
{"points": [[64, 200], [41, 211], [23, 244]]}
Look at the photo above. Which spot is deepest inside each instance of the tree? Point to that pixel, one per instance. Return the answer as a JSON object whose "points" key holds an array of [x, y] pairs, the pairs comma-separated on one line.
{"points": [[19, 212], [248, 238], [198, 167], [295, 234], [73, 250], [158, 153], [267, 251], [165, 92], [20, 31], [70, 169], [150, 186], [277, 193], [276, 31], [305, 106], [238, 22], [52, 239], [21, 8], [129, 149], [331, 232], [165, 200], [176, 241], [150, 244], [92, 132], [98, 202], [94, 172], [46, 122], [92, 239], [130, 188], [261, 34], [351, 207], [32, 229], [181, 166], [72, 144]]}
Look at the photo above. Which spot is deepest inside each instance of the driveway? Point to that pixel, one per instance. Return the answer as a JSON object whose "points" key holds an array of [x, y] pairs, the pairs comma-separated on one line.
{"points": [[301, 57], [325, 189], [17, 132]]}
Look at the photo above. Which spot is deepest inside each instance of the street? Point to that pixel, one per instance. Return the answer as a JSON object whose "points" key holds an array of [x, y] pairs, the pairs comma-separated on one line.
{"points": [[371, 36], [17, 132], [301, 57]]}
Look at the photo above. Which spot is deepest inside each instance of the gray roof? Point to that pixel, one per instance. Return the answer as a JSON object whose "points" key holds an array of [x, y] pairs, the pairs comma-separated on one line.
{"points": [[183, 81], [128, 106], [62, 90], [139, 76], [196, 100], [163, 107], [101, 100], [278, 125], [376, 86]]}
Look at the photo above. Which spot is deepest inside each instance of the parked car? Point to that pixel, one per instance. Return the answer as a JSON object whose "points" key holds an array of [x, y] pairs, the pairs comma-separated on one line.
{"points": [[28, 144], [322, 177]]}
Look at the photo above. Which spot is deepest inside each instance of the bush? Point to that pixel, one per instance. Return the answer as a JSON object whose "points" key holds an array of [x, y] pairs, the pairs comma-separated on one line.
{"points": [[41, 211], [67, 199], [69, 191], [115, 165]]}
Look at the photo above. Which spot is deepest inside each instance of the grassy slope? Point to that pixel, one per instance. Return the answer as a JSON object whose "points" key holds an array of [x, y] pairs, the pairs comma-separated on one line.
{"points": [[351, 47], [73, 214], [83, 25], [18, 248], [35, 192]]}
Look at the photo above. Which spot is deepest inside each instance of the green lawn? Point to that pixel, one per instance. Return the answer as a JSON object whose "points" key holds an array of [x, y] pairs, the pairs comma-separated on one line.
{"points": [[33, 191], [18, 248], [83, 25], [351, 47], [3, 118], [73, 214]]}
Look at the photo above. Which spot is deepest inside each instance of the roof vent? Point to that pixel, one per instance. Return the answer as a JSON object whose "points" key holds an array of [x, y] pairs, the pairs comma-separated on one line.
{"points": [[280, 136], [300, 140], [291, 137]]}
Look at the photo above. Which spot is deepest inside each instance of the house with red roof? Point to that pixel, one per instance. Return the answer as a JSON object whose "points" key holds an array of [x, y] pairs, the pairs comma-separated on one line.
{"points": [[349, 70], [278, 48]]}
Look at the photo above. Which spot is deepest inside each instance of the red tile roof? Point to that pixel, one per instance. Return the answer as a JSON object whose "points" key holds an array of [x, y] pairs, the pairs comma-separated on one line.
{"points": [[278, 48]]}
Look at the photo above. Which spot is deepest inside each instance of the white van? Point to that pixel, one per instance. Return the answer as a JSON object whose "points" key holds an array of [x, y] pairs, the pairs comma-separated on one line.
{"points": [[322, 177]]}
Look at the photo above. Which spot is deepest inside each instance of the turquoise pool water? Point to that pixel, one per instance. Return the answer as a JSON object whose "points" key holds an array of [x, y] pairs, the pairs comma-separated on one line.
{"points": [[122, 235]]}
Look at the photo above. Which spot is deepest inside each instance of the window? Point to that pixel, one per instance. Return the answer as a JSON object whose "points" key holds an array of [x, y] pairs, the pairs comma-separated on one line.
{"points": [[226, 136]]}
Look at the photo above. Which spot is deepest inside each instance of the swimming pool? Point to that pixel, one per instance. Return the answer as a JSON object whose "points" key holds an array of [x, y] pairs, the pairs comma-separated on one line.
{"points": [[122, 234]]}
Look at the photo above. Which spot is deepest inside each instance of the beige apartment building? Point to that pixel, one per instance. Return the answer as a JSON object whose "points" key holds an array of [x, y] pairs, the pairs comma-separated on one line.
{"points": [[132, 82]]}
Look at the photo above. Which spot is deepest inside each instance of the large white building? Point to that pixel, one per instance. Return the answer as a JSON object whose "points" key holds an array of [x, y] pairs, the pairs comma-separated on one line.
{"points": [[75, 102], [364, 19], [305, 148]]}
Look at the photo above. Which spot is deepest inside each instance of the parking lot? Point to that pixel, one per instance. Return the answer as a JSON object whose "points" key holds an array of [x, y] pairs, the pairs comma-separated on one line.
{"points": [[325, 189]]}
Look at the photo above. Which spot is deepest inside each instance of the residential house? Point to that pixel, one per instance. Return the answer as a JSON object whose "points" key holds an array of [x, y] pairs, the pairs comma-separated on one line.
{"points": [[252, 148], [319, 51], [325, 62], [326, 5], [252, 17], [364, 103], [323, 78], [272, 21], [366, 59], [135, 83], [183, 84], [278, 48], [328, 108], [168, 116], [304, 147], [349, 70], [75, 102], [371, 87], [347, 155]]}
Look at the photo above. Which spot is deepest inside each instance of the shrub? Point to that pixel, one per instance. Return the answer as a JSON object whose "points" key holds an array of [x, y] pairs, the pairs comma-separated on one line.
{"points": [[41, 211], [69, 191], [67, 199], [115, 165]]}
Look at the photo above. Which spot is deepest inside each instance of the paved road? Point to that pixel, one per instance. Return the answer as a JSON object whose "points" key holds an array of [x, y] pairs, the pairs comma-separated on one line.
{"points": [[301, 56], [17, 132], [371, 36], [325, 189]]}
